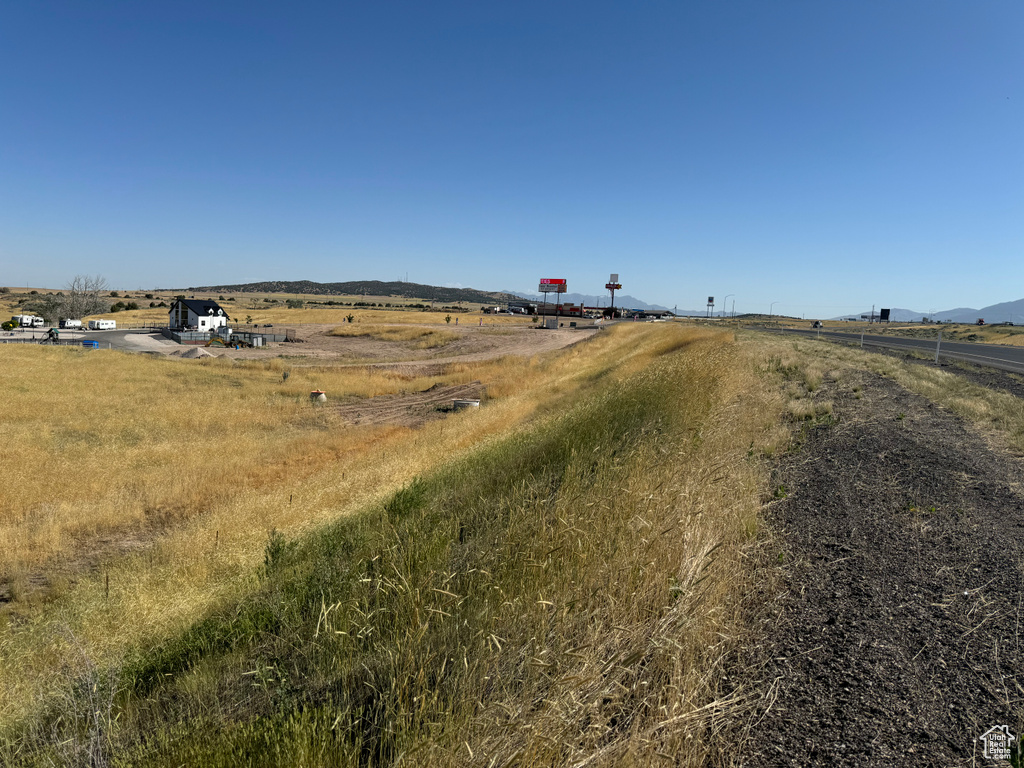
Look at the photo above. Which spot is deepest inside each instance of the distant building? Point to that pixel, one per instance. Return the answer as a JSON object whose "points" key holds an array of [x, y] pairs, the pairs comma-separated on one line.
{"points": [[197, 315], [520, 307]]}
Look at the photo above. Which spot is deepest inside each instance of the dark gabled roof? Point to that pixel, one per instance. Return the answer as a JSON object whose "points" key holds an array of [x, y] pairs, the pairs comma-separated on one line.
{"points": [[202, 307]]}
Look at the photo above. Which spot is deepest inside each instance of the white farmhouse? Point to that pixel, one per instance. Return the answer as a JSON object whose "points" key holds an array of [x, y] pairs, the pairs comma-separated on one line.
{"points": [[197, 315]]}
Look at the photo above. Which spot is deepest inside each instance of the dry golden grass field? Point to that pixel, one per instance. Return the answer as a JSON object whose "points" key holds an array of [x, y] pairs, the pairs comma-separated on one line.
{"points": [[263, 308], [198, 566], [146, 490]]}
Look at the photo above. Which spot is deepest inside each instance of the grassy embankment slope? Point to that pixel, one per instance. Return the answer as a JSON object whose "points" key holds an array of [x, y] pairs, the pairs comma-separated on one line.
{"points": [[559, 578]]}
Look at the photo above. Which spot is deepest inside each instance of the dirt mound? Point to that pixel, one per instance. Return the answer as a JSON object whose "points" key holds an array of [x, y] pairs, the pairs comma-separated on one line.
{"points": [[195, 352], [411, 409], [897, 641]]}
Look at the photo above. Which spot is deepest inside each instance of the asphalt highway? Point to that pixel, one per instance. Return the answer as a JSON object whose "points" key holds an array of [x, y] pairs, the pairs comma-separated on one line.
{"points": [[993, 355], [134, 340]]}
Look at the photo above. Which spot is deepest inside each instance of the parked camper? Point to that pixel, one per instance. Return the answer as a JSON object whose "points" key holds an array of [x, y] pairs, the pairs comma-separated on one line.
{"points": [[70, 323], [102, 325], [28, 321]]}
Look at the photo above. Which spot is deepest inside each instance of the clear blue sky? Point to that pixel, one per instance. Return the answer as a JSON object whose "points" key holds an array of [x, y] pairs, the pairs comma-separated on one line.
{"points": [[821, 155]]}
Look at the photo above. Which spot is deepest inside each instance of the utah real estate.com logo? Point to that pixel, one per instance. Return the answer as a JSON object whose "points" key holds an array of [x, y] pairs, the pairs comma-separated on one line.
{"points": [[997, 741]]}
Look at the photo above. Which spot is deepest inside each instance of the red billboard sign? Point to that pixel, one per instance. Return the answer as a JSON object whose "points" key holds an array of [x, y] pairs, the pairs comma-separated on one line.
{"points": [[552, 285]]}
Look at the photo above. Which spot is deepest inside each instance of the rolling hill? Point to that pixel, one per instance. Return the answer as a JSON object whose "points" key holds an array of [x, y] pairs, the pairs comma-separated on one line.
{"points": [[360, 288]]}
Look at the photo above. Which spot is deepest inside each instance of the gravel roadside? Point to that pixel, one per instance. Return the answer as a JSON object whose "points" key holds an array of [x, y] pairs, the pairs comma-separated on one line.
{"points": [[896, 639]]}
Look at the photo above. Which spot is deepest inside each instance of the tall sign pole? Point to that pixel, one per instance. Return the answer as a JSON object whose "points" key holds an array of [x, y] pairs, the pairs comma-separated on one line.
{"points": [[613, 285], [711, 305], [552, 285]]}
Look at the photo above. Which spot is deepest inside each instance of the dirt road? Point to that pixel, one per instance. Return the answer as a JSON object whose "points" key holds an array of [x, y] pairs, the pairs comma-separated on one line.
{"points": [[410, 410], [897, 637], [316, 346]]}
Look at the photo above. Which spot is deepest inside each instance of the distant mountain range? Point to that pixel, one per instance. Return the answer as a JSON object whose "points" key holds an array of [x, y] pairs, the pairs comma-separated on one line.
{"points": [[625, 301], [417, 291], [1005, 312]]}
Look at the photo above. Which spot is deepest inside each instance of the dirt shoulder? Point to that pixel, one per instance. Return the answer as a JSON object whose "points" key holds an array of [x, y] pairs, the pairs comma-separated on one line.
{"points": [[896, 640], [316, 346]]}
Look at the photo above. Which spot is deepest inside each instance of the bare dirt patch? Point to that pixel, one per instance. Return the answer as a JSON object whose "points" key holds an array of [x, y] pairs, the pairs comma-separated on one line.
{"points": [[315, 345], [897, 638], [410, 409], [89, 555]]}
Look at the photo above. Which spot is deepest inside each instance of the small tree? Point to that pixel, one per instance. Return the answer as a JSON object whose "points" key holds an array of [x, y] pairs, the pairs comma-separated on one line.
{"points": [[447, 318], [82, 296]]}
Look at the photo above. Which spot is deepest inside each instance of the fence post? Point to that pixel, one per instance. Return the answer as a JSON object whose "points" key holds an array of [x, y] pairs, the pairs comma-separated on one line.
{"points": [[938, 344]]}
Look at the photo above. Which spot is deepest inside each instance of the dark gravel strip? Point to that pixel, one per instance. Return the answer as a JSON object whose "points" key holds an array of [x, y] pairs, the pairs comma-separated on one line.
{"points": [[898, 639]]}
